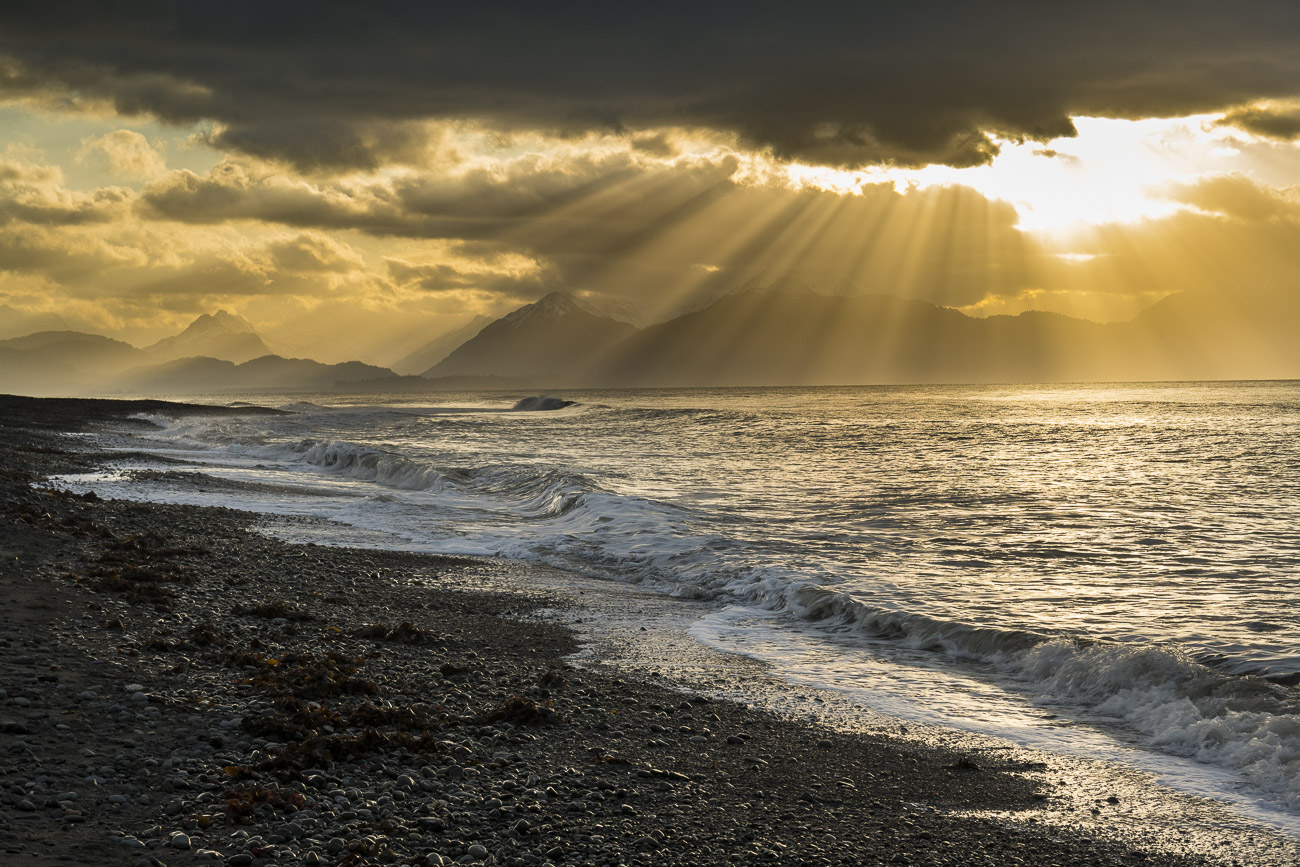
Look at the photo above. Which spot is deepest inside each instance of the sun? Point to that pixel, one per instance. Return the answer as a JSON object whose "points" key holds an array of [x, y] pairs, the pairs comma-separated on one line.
{"points": [[1112, 171]]}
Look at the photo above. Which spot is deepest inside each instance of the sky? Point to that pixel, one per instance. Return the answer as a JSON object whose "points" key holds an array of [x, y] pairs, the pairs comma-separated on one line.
{"points": [[344, 174]]}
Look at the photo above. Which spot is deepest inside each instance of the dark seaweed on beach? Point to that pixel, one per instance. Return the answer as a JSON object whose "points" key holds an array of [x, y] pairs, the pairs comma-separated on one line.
{"points": [[243, 802], [306, 675], [273, 609], [323, 750], [405, 632], [522, 711], [296, 720]]}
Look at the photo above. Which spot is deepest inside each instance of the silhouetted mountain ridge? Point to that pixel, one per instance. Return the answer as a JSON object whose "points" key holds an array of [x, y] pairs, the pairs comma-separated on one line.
{"points": [[788, 335], [554, 336], [88, 353], [269, 372]]}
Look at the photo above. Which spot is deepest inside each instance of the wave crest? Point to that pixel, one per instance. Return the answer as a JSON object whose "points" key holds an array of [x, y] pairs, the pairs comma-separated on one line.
{"points": [[541, 404]]}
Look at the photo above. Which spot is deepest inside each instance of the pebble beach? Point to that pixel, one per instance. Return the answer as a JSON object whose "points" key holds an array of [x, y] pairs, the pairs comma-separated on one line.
{"points": [[178, 688]]}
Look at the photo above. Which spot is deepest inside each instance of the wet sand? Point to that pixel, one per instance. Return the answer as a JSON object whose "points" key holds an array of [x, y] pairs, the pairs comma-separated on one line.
{"points": [[179, 688]]}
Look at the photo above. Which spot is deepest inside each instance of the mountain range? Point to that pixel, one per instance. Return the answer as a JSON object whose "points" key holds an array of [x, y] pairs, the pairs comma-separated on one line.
{"points": [[786, 336], [215, 335], [554, 338]]}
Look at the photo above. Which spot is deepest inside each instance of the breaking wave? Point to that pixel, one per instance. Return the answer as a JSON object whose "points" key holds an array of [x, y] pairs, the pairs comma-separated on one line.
{"points": [[537, 492], [541, 404]]}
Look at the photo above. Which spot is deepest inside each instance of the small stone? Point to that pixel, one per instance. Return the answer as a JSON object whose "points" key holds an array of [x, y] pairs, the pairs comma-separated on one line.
{"points": [[243, 859], [179, 841], [478, 851], [22, 702], [66, 796], [133, 687], [25, 805]]}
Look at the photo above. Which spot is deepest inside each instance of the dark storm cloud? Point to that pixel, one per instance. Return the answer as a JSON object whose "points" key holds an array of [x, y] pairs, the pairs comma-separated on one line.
{"points": [[1274, 122], [330, 84], [473, 204]]}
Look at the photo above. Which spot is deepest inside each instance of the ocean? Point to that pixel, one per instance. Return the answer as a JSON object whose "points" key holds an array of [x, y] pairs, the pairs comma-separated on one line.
{"points": [[1106, 570]]}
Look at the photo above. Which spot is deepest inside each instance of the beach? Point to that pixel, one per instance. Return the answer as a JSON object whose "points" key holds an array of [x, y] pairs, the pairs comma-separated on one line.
{"points": [[179, 688]]}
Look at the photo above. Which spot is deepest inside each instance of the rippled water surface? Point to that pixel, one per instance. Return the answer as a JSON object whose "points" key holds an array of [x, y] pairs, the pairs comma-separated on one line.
{"points": [[1129, 550]]}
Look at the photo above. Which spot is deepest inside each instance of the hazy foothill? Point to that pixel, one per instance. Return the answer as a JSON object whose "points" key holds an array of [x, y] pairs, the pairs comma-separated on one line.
{"points": [[755, 337]]}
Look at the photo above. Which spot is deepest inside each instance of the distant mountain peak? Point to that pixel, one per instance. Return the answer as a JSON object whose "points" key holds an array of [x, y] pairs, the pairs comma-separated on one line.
{"points": [[556, 335], [556, 305], [223, 335], [219, 322]]}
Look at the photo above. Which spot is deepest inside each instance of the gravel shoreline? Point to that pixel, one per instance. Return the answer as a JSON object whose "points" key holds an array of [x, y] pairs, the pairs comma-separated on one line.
{"points": [[179, 689]]}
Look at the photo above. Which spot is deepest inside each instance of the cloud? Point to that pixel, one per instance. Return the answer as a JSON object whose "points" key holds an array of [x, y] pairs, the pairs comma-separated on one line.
{"points": [[526, 283], [1271, 120], [125, 153], [35, 194], [310, 253], [477, 201], [1238, 197], [629, 224], [236, 190], [67, 259], [334, 85]]}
